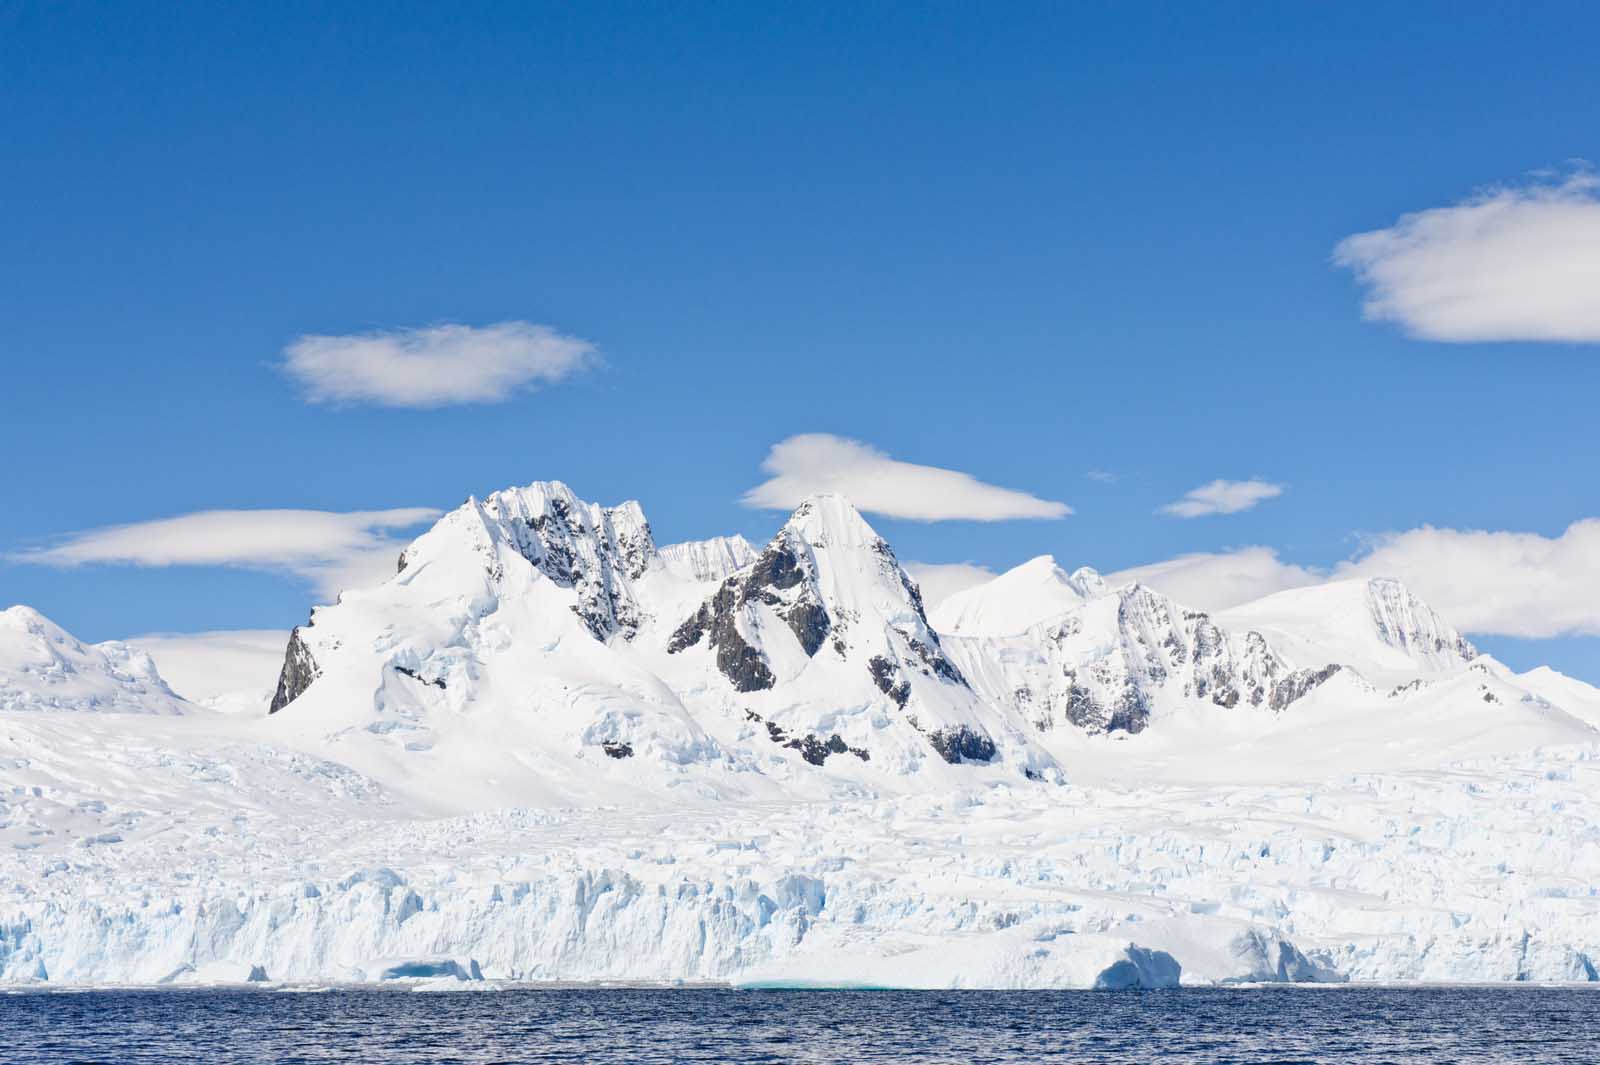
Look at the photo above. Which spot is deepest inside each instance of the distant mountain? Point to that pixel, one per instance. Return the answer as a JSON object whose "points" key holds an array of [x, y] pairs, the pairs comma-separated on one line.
{"points": [[708, 560], [1377, 627], [559, 621], [44, 668], [535, 606], [1018, 599], [546, 749]]}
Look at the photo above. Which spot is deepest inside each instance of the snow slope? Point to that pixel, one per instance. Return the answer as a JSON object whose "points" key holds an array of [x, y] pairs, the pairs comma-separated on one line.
{"points": [[715, 559], [1017, 599], [44, 668], [1375, 626], [545, 749]]}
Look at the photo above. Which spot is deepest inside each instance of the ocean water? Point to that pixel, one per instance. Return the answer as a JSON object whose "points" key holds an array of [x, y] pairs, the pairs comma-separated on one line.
{"points": [[638, 1026]]}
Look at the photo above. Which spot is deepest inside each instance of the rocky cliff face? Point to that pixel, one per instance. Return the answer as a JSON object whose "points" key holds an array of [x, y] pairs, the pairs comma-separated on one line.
{"points": [[1108, 664], [833, 584], [299, 670], [598, 552], [1408, 624]]}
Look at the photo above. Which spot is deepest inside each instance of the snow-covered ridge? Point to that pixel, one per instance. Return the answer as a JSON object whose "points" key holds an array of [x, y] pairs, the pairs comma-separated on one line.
{"points": [[546, 749], [1375, 626], [782, 638], [1017, 599], [44, 668], [704, 561]]}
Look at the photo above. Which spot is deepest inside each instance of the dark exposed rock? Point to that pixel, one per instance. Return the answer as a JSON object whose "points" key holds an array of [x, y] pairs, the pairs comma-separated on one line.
{"points": [[299, 670], [597, 552], [810, 624], [811, 747], [886, 675], [1297, 684], [959, 744], [778, 569], [1082, 709], [1132, 712], [617, 749], [934, 657], [741, 663], [437, 682]]}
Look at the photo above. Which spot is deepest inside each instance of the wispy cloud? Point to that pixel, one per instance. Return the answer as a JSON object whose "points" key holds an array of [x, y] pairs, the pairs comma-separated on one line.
{"points": [[1515, 263], [804, 465], [940, 580], [1222, 497], [1102, 476], [435, 366], [1218, 580], [1496, 582], [1493, 583], [203, 665], [334, 550]]}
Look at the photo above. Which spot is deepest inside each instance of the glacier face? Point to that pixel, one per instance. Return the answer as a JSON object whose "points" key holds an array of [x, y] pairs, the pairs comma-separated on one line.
{"points": [[547, 749]]}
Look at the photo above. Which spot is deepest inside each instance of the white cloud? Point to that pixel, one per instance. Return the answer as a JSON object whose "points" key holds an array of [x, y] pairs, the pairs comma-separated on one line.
{"points": [[1496, 583], [1222, 497], [940, 580], [1511, 264], [331, 549], [204, 665], [1102, 476], [434, 366], [804, 465], [1486, 583], [1216, 581]]}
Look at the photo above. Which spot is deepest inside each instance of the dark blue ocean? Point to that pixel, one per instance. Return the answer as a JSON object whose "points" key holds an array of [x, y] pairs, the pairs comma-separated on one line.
{"points": [[969, 1028]]}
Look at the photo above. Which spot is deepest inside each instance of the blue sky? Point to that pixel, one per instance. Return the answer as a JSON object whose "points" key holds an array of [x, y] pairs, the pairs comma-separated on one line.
{"points": [[1025, 244]]}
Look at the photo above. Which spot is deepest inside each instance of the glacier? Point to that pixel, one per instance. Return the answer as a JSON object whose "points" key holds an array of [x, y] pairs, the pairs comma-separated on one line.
{"points": [[546, 749]]}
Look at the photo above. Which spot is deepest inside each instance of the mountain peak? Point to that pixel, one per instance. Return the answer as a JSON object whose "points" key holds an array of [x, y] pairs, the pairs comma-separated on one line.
{"points": [[1087, 582], [43, 667], [1375, 625], [1018, 599], [829, 519], [22, 618]]}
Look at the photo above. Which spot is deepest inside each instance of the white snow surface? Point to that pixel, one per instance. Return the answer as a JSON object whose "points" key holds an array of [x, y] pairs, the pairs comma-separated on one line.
{"points": [[1017, 599], [42, 667], [512, 764], [708, 560]]}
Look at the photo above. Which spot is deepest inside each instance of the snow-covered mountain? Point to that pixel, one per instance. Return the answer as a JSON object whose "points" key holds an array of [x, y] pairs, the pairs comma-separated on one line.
{"points": [[546, 749], [708, 560], [1018, 599], [1375, 626], [44, 668], [1113, 662], [556, 624]]}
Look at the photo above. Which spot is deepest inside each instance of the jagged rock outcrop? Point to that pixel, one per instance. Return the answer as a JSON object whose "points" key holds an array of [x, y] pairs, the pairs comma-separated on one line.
{"points": [[299, 670], [1108, 664], [598, 552], [799, 581], [826, 614]]}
